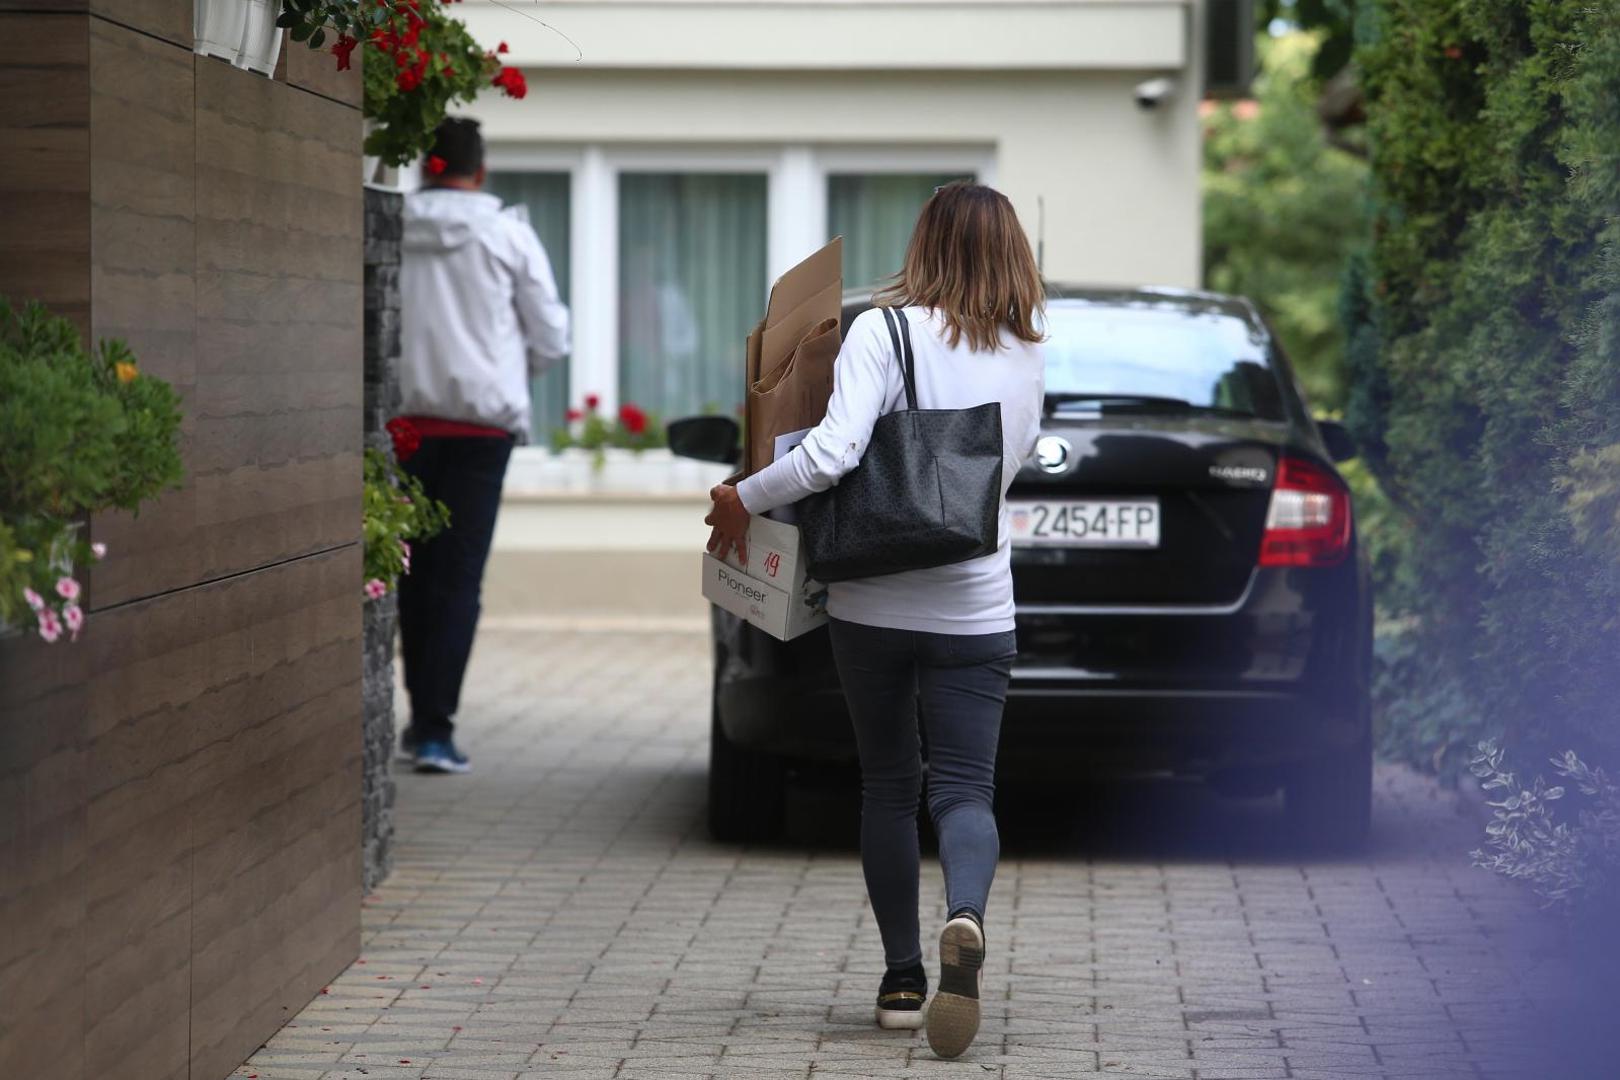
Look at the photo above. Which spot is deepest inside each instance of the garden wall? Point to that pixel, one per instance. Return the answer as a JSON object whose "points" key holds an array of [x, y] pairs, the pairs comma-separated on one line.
{"points": [[179, 791]]}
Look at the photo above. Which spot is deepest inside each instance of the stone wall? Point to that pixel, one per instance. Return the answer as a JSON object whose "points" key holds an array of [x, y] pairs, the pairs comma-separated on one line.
{"points": [[381, 402]]}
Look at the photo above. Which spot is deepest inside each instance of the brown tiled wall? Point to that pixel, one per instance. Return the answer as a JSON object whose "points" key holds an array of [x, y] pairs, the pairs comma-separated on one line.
{"points": [[179, 791]]}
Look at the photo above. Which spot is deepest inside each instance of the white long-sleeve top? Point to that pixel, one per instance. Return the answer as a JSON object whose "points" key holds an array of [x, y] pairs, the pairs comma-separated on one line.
{"points": [[480, 312], [973, 597]]}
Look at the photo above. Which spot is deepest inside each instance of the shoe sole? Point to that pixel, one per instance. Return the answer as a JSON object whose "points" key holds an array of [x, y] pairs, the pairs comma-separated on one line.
{"points": [[900, 1019], [442, 768], [953, 1015]]}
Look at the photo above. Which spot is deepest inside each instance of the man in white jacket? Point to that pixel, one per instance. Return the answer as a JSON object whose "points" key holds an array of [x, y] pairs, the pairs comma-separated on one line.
{"points": [[480, 317]]}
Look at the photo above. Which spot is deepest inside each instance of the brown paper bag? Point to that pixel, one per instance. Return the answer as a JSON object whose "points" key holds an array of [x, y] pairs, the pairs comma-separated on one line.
{"points": [[793, 396], [801, 300], [751, 356]]}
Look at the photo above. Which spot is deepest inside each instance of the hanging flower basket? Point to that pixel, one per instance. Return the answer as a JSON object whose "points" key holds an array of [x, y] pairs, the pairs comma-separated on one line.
{"points": [[419, 60]]}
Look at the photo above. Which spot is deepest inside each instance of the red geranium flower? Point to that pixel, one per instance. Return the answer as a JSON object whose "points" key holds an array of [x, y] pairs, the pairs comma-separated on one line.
{"points": [[408, 80], [436, 164], [345, 45], [633, 419], [592, 401], [406, 438], [511, 80], [501, 48]]}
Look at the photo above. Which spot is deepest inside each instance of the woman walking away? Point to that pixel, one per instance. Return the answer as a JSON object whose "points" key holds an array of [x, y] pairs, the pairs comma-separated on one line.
{"points": [[970, 299]]}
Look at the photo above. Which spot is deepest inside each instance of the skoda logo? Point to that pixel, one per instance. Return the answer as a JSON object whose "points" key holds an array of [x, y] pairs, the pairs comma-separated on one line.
{"points": [[1052, 454]]}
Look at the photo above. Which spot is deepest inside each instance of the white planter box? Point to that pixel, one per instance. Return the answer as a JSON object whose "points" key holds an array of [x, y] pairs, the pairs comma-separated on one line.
{"points": [[536, 471]]}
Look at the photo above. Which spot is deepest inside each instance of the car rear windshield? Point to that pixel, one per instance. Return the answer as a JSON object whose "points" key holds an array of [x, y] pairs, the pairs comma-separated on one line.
{"points": [[1209, 359]]}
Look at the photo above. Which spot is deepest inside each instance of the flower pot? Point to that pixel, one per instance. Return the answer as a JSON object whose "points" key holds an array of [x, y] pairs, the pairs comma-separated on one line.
{"points": [[217, 26], [261, 37]]}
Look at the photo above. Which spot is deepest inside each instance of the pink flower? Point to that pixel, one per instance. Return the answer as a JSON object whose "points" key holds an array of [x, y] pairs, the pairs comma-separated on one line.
{"points": [[35, 600], [50, 627], [67, 588], [99, 550], [375, 589], [405, 553], [73, 615]]}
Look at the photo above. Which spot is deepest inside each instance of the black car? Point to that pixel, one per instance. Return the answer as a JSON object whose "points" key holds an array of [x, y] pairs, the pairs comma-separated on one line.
{"points": [[1192, 599]]}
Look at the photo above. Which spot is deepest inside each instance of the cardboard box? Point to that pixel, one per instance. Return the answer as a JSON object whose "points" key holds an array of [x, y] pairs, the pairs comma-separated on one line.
{"points": [[772, 592]]}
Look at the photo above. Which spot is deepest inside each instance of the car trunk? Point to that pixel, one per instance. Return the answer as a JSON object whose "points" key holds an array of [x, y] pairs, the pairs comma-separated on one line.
{"points": [[1212, 477]]}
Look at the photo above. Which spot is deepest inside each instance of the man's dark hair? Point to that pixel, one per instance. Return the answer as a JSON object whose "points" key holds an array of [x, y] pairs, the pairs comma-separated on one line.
{"points": [[458, 142]]}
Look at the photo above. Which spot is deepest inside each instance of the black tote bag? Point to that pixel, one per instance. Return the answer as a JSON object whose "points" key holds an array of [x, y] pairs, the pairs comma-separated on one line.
{"points": [[927, 492]]}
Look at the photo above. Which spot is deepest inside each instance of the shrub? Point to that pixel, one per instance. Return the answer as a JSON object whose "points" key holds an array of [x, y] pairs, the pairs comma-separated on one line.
{"points": [[1283, 210], [1571, 858], [1484, 348], [80, 432], [395, 511]]}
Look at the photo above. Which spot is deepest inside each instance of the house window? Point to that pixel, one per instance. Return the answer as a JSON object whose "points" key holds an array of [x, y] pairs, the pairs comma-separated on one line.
{"points": [[691, 275], [546, 198], [875, 214]]}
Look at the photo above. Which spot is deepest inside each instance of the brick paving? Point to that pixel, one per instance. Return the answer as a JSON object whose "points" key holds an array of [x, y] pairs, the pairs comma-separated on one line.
{"points": [[561, 912]]}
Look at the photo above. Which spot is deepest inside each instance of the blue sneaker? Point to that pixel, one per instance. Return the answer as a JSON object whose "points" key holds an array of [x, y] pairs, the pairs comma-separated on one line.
{"points": [[441, 756]]}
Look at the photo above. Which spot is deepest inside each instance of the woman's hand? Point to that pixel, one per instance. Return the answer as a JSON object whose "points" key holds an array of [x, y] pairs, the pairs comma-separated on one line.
{"points": [[730, 520]]}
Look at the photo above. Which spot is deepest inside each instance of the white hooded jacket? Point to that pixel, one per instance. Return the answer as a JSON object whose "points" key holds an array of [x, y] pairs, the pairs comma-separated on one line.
{"points": [[480, 313]]}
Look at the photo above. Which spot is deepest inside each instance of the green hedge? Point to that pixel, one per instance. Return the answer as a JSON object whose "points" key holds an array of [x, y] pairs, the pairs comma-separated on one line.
{"points": [[1484, 348], [1282, 209]]}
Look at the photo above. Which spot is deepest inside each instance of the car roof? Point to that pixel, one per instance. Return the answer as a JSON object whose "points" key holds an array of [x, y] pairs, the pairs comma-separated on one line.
{"points": [[1166, 298]]}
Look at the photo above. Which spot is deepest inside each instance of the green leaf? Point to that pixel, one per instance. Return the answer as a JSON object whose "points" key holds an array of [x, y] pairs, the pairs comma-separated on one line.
{"points": [[317, 39]]}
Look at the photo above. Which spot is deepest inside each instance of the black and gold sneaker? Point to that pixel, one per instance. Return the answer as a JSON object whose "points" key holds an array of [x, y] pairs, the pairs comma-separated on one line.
{"points": [[901, 997], [953, 1018]]}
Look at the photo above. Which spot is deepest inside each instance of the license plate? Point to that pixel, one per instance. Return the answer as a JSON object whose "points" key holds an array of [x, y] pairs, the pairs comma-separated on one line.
{"points": [[1092, 523]]}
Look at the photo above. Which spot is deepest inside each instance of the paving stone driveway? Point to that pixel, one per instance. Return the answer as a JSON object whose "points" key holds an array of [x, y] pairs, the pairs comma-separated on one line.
{"points": [[561, 912]]}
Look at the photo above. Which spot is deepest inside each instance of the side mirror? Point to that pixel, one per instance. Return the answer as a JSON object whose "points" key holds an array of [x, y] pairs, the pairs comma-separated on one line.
{"points": [[1336, 437], [706, 438]]}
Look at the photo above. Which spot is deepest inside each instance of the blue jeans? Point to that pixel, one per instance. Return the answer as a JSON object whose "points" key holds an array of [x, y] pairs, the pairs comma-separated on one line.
{"points": [[439, 598], [961, 682]]}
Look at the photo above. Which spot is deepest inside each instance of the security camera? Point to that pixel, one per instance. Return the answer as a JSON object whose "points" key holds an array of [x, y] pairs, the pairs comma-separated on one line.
{"points": [[1154, 92]]}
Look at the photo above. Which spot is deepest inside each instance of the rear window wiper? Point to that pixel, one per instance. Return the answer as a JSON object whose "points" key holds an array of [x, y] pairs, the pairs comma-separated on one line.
{"points": [[1057, 400], [1144, 403]]}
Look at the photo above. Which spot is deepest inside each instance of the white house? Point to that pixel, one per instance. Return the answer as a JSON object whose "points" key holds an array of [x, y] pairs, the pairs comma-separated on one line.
{"points": [[676, 155]]}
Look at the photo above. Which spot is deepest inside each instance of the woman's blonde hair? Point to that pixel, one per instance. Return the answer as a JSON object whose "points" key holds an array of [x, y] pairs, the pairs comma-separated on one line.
{"points": [[970, 261]]}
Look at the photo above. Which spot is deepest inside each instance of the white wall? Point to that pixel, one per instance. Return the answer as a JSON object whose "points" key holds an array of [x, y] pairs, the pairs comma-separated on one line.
{"points": [[1042, 88], [1120, 184], [1035, 95], [880, 35]]}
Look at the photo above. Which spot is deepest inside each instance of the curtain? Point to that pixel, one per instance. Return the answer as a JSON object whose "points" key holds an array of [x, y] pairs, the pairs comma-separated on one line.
{"points": [[691, 286], [875, 215], [546, 197]]}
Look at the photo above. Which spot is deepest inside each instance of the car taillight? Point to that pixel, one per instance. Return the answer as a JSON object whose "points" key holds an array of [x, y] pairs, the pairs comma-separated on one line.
{"points": [[1308, 523]]}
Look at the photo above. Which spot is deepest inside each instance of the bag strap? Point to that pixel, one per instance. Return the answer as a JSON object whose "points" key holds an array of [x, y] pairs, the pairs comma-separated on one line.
{"points": [[908, 364]]}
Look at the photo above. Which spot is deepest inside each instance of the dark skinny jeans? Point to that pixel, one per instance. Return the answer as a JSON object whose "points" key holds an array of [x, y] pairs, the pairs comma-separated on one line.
{"points": [[439, 598], [960, 681]]}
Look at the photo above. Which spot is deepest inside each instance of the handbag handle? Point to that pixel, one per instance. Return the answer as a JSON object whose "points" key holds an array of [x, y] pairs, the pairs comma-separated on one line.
{"points": [[908, 371]]}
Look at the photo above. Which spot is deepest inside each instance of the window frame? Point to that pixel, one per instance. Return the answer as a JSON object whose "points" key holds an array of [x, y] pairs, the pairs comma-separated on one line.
{"points": [[796, 177]]}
